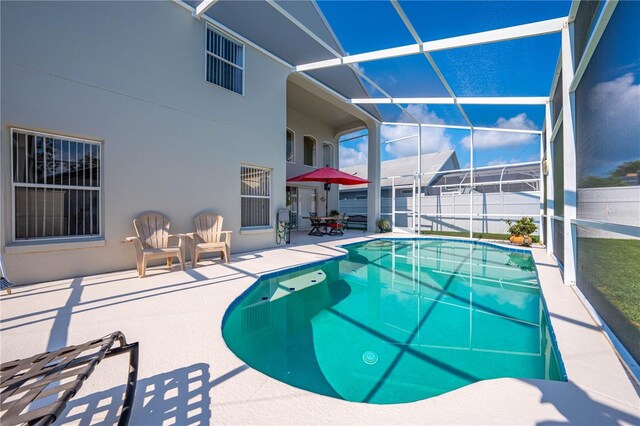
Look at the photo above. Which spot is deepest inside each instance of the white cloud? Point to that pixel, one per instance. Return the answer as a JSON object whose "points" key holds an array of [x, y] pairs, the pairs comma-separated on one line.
{"points": [[353, 156], [433, 139], [497, 162], [359, 67], [502, 297], [501, 161], [609, 116], [623, 91], [488, 139]]}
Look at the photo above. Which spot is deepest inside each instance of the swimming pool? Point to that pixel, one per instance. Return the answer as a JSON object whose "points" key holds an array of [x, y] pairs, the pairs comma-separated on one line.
{"points": [[397, 321]]}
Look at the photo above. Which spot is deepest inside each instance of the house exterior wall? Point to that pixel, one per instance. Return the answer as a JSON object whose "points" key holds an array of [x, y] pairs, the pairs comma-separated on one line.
{"points": [[131, 75], [303, 125]]}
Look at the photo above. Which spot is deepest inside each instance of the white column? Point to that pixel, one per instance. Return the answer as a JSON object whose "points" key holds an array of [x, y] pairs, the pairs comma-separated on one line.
{"points": [[393, 204], [419, 200], [541, 189], [569, 154], [471, 183], [550, 186], [413, 203], [373, 175]]}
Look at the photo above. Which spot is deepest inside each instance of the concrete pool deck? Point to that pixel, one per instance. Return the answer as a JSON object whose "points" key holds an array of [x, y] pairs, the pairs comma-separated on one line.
{"points": [[188, 375]]}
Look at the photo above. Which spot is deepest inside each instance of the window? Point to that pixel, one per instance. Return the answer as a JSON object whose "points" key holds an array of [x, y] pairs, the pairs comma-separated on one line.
{"points": [[290, 147], [225, 61], [309, 151], [327, 154], [255, 193], [56, 186]]}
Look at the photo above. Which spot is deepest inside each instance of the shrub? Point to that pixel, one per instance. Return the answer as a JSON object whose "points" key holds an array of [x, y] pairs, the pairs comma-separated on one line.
{"points": [[525, 226], [383, 225]]}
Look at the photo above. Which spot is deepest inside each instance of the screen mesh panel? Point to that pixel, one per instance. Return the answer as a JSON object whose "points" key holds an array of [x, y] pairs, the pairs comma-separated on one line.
{"points": [[608, 275]]}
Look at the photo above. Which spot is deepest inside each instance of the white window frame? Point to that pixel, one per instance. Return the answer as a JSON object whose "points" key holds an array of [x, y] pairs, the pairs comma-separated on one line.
{"points": [[332, 148], [293, 140], [315, 151], [268, 197], [15, 185], [207, 54]]}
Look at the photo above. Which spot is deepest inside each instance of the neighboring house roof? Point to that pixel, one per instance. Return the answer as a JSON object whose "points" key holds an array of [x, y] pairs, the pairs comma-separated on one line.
{"points": [[504, 173], [269, 29], [433, 162]]}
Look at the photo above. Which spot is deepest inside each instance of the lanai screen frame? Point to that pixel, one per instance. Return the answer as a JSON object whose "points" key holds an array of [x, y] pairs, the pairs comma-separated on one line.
{"points": [[534, 29], [571, 76]]}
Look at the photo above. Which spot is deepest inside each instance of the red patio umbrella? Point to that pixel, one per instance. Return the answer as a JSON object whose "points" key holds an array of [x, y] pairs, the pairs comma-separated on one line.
{"points": [[329, 175]]}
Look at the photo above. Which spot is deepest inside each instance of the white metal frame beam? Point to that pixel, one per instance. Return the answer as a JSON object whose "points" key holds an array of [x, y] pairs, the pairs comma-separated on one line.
{"points": [[516, 100], [300, 25], [523, 30], [203, 7], [596, 35], [569, 155], [521, 100], [503, 34], [330, 49], [476, 128], [407, 22], [533, 29], [550, 185]]}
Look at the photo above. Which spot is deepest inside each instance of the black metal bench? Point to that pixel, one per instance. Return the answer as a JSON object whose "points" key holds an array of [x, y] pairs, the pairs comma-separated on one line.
{"points": [[357, 221], [48, 381]]}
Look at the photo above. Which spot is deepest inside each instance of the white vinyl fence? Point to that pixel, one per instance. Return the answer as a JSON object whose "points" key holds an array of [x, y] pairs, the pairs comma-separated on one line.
{"points": [[450, 212]]}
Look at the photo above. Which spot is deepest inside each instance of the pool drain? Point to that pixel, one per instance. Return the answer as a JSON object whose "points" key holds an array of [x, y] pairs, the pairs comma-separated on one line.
{"points": [[370, 357]]}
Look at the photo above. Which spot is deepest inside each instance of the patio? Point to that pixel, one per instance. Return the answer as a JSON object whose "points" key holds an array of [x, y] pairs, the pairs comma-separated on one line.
{"points": [[539, 91], [188, 375]]}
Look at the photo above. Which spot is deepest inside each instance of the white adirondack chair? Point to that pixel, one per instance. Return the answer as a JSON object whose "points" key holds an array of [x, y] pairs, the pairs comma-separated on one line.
{"points": [[208, 237], [152, 241]]}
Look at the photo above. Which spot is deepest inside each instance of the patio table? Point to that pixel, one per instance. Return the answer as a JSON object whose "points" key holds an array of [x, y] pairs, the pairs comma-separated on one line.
{"points": [[318, 222]]}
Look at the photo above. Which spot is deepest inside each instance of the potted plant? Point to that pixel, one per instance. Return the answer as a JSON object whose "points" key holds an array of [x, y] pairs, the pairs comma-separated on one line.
{"points": [[383, 225], [521, 231]]}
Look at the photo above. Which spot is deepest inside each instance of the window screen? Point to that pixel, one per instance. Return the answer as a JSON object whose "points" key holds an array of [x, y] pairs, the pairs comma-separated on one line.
{"points": [[56, 186], [255, 187], [225, 61]]}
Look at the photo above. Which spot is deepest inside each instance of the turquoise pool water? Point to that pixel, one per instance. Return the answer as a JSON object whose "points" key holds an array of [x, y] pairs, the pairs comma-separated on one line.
{"points": [[397, 321]]}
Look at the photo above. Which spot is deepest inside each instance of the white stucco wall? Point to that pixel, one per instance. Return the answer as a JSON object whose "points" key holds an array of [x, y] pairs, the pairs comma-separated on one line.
{"points": [[131, 74]]}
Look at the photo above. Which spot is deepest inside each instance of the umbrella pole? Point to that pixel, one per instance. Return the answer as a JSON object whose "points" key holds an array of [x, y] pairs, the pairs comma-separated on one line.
{"points": [[326, 205], [327, 188]]}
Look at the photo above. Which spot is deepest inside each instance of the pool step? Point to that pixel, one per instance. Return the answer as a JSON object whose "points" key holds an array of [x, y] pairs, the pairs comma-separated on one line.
{"points": [[286, 287]]}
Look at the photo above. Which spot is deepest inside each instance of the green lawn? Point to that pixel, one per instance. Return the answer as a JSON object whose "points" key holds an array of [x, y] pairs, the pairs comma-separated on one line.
{"points": [[481, 235], [613, 268]]}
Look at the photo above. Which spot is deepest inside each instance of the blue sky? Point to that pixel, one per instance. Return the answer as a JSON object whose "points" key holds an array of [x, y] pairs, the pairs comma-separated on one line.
{"points": [[515, 68]]}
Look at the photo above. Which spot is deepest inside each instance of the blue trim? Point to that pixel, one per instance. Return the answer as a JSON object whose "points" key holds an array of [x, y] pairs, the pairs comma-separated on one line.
{"points": [[554, 340], [300, 267], [455, 240]]}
